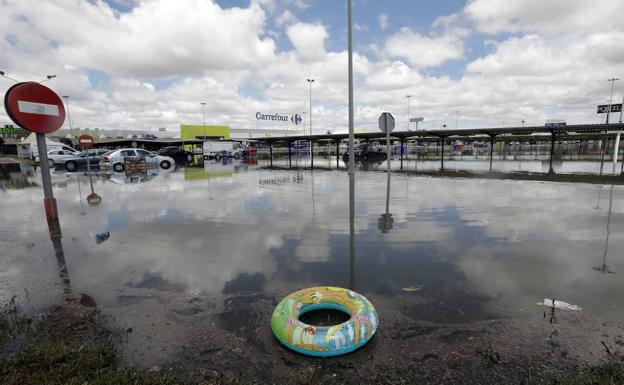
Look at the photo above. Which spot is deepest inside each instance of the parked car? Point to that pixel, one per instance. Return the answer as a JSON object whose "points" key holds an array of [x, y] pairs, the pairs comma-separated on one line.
{"points": [[73, 163], [58, 154], [118, 160], [364, 152], [177, 153]]}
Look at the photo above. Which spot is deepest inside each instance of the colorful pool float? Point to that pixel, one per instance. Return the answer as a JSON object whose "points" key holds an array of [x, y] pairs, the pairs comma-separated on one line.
{"points": [[324, 341]]}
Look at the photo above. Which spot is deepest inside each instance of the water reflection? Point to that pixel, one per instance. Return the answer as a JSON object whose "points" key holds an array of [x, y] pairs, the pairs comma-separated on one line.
{"points": [[472, 245], [604, 268]]}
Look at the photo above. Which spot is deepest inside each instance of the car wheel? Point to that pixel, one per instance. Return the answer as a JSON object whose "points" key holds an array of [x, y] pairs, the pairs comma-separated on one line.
{"points": [[189, 158], [119, 167], [71, 166], [165, 164], [50, 163]]}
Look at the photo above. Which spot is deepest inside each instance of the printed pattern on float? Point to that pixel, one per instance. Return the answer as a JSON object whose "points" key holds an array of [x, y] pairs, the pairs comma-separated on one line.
{"points": [[324, 340]]}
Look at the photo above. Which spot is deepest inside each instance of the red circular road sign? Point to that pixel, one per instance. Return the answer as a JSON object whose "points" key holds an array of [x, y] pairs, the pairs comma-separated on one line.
{"points": [[34, 107], [85, 141]]}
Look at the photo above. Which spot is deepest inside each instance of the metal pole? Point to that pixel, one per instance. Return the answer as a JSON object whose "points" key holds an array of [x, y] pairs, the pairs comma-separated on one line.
{"points": [[89, 171], [442, 157], [71, 130], [552, 150], [310, 81], [491, 151], [203, 104], [312, 154], [616, 148], [408, 111], [612, 80], [49, 202], [351, 136], [271, 153], [337, 153], [401, 154], [603, 145]]}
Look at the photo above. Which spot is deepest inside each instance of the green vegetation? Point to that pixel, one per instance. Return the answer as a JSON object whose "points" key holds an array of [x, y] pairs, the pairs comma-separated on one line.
{"points": [[59, 363]]}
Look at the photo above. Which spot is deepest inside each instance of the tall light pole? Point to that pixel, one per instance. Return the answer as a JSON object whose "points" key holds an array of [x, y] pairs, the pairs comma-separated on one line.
{"points": [[203, 104], [351, 118], [612, 80], [71, 130], [456, 112], [408, 110], [310, 81]]}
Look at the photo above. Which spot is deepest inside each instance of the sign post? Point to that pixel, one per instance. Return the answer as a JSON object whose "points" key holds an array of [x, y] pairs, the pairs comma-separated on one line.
{"points": [[86, 142], [38, 109], [386, 124]]}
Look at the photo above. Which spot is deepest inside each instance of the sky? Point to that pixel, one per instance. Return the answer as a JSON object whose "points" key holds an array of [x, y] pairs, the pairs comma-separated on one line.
{"points": [[146, 64]]}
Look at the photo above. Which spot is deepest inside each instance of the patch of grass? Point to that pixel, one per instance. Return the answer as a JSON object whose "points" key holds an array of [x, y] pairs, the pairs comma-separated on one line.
{"points": [[59, 364]]}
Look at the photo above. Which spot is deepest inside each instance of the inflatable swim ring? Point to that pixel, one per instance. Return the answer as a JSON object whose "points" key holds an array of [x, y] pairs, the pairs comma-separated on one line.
{"points": [[324, 341]]}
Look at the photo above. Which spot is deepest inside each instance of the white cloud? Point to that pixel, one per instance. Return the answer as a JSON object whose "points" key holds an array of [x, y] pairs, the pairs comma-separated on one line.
{"points": [[286, 18], [384, 22], [308, 40], [156, 39], [424, 51], [553, 16], [155, 64]]}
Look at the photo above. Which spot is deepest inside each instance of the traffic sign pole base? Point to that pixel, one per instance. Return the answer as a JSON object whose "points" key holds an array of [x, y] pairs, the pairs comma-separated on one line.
{"points": [[50, 208]]}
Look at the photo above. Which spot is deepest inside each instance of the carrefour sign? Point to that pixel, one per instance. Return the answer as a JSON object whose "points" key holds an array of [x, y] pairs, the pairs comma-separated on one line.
{"points": [[295, 118]]}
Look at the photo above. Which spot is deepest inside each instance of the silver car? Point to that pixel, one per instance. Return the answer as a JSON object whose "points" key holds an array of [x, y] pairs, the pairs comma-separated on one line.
{"points": [[124, 158]]}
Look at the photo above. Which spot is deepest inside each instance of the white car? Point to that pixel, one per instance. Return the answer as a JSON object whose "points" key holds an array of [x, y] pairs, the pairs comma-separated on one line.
{"points": [[56, 155], [120, 159]]}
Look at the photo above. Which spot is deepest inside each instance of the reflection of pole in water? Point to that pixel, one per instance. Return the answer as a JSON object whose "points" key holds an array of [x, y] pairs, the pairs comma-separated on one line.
{"points": [[55, 236], [313, 200], [385, 223], [82, 210], [599, 193], [351, 230], [604, 268]]}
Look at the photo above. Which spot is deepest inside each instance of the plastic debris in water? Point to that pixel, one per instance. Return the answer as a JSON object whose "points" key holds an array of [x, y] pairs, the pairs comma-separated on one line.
{"points": [[101, 237], [559, 305], [410, 289]]}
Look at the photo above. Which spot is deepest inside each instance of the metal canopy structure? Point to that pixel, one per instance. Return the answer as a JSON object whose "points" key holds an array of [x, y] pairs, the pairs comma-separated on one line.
{"points": [[473, 133]]}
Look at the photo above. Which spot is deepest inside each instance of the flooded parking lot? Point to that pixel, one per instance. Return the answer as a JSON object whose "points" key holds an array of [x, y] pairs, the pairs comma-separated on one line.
{"points": [[192, 261]]}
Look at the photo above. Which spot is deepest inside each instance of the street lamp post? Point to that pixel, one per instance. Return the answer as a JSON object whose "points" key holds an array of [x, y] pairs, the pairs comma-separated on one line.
{"points": [[310, 81], [71, 130], [612, 80], [456, 112], [408, 111], [203, 104]]}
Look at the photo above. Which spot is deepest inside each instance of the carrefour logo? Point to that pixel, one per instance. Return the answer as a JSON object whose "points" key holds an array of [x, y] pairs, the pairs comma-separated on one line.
{"points": [[296, 119]]}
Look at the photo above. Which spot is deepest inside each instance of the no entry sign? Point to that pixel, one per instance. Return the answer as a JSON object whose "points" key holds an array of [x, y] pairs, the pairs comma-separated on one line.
{"points": [[34, 107], [85, 141]]}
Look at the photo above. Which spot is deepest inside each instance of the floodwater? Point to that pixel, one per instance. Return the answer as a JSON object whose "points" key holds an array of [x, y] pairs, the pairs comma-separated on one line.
{"points": [[193, 260]]}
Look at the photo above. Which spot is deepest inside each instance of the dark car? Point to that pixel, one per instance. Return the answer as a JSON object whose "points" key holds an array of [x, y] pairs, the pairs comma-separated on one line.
{"points": [[366, 153], [178, 154], [73, 163]]}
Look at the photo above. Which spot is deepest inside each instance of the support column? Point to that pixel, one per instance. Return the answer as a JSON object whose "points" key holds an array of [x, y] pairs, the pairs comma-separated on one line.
{"points": [[580, 146], [271, 153], [602, 153], [289, 155], [337, 153], [442, 157], [311, 154], [552, 150], [491, 151], [402, 154]]}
